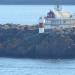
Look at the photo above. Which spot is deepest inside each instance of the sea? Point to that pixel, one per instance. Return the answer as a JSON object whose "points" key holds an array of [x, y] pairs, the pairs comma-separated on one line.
{"points": [[13, 66], [28, 14]]}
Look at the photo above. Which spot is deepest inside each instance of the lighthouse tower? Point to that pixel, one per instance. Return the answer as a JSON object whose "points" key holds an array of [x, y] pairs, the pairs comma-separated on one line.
{"points": [[41, 24]]}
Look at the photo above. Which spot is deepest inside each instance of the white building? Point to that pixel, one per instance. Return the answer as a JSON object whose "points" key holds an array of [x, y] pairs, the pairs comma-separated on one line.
{"points": [[56, 19]]}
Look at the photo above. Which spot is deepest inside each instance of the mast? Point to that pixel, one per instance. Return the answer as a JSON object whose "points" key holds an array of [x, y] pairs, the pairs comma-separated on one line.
{"points": [[58, 5]]}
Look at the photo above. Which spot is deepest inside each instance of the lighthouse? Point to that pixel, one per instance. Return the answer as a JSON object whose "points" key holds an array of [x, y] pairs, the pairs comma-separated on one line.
{"points": [[41, 24]]}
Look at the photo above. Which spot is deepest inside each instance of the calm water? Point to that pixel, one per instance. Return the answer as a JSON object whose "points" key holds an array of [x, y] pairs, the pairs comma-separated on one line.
{"points": [[27, 14], [10, 66]]}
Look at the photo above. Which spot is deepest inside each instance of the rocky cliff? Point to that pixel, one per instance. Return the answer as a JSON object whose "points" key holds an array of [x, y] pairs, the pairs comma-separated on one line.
{"points": [[30, 44]]}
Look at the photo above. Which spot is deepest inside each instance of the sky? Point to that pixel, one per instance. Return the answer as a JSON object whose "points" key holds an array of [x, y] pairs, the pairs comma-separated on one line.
{"points": [[27, 14], [36, 2]]}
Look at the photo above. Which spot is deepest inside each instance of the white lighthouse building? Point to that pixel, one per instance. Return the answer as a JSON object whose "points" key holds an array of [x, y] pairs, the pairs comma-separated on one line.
{"points": [[56, 18]]}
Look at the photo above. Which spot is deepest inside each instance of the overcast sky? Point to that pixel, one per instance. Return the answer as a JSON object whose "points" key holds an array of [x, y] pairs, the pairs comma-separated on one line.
{"points": [[36, 2]]}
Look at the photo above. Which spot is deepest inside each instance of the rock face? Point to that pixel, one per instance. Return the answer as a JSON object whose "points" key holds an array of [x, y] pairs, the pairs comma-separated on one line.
{"points": [[31, 44]]}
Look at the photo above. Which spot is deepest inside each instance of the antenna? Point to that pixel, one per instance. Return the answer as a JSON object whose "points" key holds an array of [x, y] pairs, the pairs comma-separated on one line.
{"points": [[58, 6]]}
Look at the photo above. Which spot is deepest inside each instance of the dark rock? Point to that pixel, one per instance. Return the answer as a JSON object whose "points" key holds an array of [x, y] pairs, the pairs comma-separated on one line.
{"points": [[31, 44]]}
